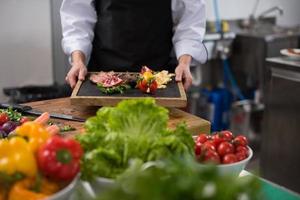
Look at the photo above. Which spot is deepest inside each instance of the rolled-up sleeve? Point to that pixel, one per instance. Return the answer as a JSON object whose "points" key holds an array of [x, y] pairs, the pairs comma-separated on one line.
{"points": [[189, 20], [78, 18]]}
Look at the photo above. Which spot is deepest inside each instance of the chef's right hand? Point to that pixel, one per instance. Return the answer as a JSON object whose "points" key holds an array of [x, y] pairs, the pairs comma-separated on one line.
{"points": [[78, 70]]}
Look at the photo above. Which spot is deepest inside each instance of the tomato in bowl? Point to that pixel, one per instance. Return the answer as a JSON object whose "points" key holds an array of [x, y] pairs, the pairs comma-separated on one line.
{"points": [[229, 153]]}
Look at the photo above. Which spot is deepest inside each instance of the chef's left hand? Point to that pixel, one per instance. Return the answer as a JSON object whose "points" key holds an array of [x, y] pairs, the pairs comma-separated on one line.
{"points": [[183, 72]]}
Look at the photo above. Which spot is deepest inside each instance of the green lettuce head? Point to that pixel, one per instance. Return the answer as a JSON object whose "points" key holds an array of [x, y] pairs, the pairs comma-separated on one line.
{"points": [[132, 129]]}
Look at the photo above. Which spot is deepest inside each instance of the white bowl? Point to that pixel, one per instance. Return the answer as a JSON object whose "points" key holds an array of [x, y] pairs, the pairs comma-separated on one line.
{"points": [[97, 187], [66, 192], [102, 184], [290, 55], [233, 169]]}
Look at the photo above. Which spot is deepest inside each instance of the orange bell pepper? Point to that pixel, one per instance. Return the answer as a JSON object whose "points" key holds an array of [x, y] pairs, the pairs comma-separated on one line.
{"points": [[23, 190], [2, 193]]}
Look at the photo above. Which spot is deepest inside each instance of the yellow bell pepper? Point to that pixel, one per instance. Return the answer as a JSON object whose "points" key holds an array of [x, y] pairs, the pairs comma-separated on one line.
{"points": [[35, 133], [17, 157], [23, 190], [147, 75]]}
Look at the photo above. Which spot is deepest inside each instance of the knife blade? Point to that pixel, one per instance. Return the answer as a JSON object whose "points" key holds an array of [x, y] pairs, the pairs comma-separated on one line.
{"points": [[30, 111]]}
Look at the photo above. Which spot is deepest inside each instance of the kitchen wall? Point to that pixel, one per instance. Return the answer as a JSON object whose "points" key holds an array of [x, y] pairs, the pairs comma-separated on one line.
{"points": [[235, 9], [25, 43]]}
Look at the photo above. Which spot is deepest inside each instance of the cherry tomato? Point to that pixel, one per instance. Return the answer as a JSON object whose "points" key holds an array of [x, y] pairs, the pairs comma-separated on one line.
{"points": [[208, 145], [241, 155], [240, 140], [142, 85], [3, 118], [153, 86], [217, 140], [24, 119], [197, 148], [147, 86], [229, 158], [225, 148], [242, 149], [202, 138], [226, 135], [211, 156]]}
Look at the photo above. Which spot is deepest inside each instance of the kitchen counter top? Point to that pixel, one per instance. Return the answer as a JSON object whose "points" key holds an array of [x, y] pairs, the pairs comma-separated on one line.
{"points": [[284, 67], [63, 106], [284, 61]]}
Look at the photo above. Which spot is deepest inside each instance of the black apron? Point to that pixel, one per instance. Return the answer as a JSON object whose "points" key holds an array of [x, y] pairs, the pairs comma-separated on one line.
{"points": [[132, 33]]}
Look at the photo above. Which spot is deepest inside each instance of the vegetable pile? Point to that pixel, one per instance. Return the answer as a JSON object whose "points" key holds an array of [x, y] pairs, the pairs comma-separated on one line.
{"points": [[132, 129], [180, 178], [35, 162], [221, 148], [9, 120], [147, 81]]}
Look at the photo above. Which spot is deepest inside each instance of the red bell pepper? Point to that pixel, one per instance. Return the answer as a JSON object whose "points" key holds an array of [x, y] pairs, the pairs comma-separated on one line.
{"points": [[59, 158]]}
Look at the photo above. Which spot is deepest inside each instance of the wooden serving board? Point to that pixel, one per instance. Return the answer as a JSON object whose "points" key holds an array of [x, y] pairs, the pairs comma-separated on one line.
{"points": [[194, 124], [86, 93]]}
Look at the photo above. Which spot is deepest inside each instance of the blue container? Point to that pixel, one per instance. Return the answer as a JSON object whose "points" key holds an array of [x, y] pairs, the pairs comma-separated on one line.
{"points": [[219, 102]]}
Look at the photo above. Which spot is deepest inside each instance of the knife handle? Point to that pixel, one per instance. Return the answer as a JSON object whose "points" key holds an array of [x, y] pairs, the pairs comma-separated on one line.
{"points": [[18, 107]]}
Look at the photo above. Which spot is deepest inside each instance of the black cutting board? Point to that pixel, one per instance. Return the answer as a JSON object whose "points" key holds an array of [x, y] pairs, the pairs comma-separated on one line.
{"points": [[87, 93]]}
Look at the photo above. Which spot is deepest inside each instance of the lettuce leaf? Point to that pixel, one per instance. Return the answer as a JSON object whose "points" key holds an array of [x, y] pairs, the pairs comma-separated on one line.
{"points": [[132, 129]]}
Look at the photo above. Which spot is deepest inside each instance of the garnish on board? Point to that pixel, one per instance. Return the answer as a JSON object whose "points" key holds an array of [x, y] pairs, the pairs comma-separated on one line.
{"points": [[147, 81], [113, 89], [163, 78]]}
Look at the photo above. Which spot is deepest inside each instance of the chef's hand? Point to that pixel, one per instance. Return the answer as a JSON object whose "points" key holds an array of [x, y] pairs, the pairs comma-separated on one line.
{"points": [[183, 72], [78, 70]]}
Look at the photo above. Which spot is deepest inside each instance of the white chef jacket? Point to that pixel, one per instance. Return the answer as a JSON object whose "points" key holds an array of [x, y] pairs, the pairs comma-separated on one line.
{"points": [[78, 18]]}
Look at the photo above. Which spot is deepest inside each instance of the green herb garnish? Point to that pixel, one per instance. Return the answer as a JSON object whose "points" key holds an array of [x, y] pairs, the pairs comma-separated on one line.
{"points": [[67, 128], [113, 90], [12, 114]]}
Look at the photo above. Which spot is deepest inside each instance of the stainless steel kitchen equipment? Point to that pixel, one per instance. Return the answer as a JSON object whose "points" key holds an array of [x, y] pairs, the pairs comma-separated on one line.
{"points": [[252, 47], [246, 118], [280, 160]]}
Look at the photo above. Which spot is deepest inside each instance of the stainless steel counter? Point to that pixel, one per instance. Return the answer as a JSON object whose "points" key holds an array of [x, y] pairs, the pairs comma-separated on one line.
{"points": [[280, 159]]}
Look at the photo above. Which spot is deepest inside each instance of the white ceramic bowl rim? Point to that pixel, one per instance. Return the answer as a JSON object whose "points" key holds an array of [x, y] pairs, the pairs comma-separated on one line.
{"points": [[65, 190], [240, 162], [236, 163], [105, 180]]}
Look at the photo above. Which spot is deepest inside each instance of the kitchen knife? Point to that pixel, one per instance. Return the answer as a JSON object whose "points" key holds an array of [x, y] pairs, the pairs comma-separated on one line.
{"points": [[28, 110]]}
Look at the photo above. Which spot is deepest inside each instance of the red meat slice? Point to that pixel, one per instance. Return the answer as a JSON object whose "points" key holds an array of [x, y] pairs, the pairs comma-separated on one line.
{"points": [[107, 79]]}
